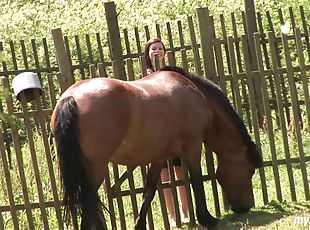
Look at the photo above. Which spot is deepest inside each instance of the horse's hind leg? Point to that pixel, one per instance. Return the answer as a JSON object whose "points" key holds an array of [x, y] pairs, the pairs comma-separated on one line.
{"points": [[148, 193], [92, 213]]}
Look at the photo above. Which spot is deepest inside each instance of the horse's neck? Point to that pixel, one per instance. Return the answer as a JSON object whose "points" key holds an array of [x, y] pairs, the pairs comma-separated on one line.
{"points": [[224, 138]]}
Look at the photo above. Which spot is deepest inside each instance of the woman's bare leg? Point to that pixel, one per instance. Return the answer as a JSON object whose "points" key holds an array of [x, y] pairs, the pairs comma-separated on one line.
{"points": [[167, 193], [182, 192]]}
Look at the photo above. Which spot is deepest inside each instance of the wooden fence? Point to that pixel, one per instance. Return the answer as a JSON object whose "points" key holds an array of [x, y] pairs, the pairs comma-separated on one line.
{"points": [[265, 75]]}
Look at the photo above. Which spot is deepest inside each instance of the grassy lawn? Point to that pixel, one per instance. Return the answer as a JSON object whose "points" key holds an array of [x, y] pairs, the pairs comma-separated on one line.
{"points": [[273, 216]]}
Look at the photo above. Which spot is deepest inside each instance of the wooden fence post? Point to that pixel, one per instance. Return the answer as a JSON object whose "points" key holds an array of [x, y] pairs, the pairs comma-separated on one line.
{"points": [[62, 58], [206, 31], [207, 37], [115, 39], [251, 26]]}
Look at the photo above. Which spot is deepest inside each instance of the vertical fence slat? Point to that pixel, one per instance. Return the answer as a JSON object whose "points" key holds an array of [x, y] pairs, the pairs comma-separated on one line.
{"points": [[44, 135], [24, 54], [34, 160], [163, 205], [100, 49], [35, 56], [184, 59], [240, 69], [304, 77], [206, 42], [188, 193], [6, 135], [119, 199], [46, 53], [235, 79], [158, 33], [295, 106], [194, 46], [171, 58], [253, 106], [133, 194], [268, 116], [127, 44], [51, 88], [138, 43], [79, 55], [271, 38], [220, 64], [102, 70], [170, 39], [266, 57], [115, 40], [1, 221], [225, 36], [173, 191], [109, 196], [67, 48], [92, 71], [8, 182], [147, 33], [306, 31], [89, 49], [13, 53], [130, 70], [62, 57], [211, 172], [180, 33], [19, 158], [182, 44], [143, 66], [226, 53], [292, 17], [283, 88], [149, 213]]}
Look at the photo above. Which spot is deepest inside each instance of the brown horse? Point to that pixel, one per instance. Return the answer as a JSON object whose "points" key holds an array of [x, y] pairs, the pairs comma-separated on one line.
{"points": [[168, 114]]}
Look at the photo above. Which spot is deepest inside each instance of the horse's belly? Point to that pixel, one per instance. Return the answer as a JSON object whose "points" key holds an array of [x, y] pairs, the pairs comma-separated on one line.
{"points": [[124, 153], [132, 153]]}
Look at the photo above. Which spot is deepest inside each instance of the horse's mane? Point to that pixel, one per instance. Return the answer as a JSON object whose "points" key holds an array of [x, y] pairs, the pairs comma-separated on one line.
{"points": [[207, 87]]}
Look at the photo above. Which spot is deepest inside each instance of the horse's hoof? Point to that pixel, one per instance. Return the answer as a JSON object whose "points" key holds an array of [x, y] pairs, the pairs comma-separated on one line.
{"points": [[210, 222], [213, 223], [140, 225]]}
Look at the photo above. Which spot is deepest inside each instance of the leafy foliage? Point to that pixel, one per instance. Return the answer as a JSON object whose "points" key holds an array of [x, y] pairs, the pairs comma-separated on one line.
{"points": [[4, 116], [28, 19]]}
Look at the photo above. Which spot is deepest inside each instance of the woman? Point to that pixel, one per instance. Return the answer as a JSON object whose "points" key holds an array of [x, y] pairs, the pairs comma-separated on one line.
{"points": [[156, 47]]}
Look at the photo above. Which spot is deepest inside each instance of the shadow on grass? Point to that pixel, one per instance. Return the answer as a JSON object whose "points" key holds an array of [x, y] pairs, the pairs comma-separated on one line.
{"points": [[251, 219], [259, 216]]}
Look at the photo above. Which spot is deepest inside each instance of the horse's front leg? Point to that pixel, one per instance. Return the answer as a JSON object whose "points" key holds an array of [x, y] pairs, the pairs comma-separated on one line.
{"points": [[192, 157], [148, 193]]}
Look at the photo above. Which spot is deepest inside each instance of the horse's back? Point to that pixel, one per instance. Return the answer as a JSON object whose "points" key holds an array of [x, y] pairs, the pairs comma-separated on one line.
{"points": [[140, 121]]}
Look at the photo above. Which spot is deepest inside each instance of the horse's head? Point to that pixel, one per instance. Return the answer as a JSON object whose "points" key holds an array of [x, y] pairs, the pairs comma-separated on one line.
{"points": [[235, 178]]}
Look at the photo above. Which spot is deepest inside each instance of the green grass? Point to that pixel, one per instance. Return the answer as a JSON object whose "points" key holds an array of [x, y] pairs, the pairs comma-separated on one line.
{"points": [[275, 215]]}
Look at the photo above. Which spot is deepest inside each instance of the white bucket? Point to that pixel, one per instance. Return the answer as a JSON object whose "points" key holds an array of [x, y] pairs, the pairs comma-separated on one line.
{"points": [[27, 82]]}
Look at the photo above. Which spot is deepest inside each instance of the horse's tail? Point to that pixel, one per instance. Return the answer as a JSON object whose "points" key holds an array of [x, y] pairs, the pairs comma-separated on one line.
{"points": [[79, 194]]}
